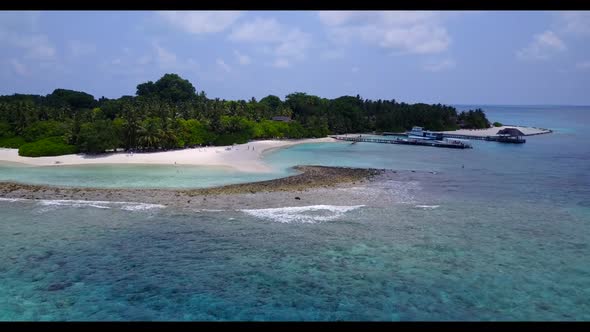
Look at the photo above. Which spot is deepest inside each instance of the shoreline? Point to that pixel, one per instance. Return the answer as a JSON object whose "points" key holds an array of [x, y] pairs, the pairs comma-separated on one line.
{"points": [[245, 157], [527, 131], [314, 185]]}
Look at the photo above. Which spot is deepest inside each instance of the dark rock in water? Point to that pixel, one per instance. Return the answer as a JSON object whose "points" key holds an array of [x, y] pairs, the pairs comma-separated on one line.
{"points": [[188, 201], [58, 286], [298, 198]]}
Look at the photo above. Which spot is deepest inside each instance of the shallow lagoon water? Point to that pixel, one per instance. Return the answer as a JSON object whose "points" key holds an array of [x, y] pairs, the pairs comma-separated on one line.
{"points": [[131, 176], [499, 232]]}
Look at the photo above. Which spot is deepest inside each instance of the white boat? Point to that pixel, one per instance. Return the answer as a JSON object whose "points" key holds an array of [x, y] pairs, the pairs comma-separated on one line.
{"points": [[457, 141], [419, 133], [416, 132]]}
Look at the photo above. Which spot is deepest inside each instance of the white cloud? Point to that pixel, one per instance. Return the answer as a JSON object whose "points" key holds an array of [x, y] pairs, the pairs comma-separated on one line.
{"points": [[281, 63], [294, 45], [543, 47], [584, 65], [200, 22], [259, 30], [404, 31], [439, 65], [130, 64], [243, 59], [575, 22], [19, 67], [223, 65], [35, 46], [391, 18], [79, 48], [334, 18], [332, 54], [165, 58], [19, 29], [282, 41]]}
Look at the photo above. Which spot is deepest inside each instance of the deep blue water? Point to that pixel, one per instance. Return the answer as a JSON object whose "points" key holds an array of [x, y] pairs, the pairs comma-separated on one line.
{"points": [[498, 232]]}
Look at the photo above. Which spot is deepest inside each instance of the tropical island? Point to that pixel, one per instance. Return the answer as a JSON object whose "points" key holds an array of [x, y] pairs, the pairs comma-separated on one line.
{"points": [[170, 114]]}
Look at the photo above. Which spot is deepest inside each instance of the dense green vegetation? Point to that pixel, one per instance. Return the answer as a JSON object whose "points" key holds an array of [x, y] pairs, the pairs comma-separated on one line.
{"points": [[12, 142], [170, 114], [50, 146], [497, 124], [473, 119]]}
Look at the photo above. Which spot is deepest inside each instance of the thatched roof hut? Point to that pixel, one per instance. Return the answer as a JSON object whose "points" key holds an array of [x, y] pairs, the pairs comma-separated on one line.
{"points": [[510, 132]]}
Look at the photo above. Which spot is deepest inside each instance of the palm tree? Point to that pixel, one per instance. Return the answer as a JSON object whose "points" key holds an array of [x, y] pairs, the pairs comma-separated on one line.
{"points": [[150, 134], [24, 115]]}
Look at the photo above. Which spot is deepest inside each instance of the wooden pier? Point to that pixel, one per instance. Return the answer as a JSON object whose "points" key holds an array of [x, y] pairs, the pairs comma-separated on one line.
{"points": [[438, 144], [495, 138], [501, 139]]}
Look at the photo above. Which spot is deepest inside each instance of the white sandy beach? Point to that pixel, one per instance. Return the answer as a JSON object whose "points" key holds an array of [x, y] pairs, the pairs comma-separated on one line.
{"points": [[242, 157], [493, 131]]}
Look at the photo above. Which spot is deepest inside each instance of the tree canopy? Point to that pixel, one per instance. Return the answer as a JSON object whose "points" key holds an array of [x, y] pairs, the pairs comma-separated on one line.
{"points": [[169, 114], [170, 88]]}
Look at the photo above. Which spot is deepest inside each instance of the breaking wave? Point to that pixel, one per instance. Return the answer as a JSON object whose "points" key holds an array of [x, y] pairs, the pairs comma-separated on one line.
{"points": [[2, 199], [56, 203], [302, 214], [427, 206], [73, 203]]}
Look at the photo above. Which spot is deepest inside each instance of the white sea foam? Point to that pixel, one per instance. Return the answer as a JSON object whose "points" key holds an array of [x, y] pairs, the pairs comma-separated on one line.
{"points": [[74, 203], [54, 203], [141, 206], [427, 206], [303, 214], [386, 192], [4, 199], [128, 206]]}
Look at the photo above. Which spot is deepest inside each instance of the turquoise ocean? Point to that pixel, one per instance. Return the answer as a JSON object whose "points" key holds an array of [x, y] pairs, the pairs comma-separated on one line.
{"points": [[499, 232]]}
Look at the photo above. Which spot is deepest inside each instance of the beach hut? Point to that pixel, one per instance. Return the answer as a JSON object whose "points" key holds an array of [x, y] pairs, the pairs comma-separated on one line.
{"points": [[510, 132], [511, 135]]}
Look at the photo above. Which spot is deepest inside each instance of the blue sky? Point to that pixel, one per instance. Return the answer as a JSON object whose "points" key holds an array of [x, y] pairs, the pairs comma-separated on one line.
{"points": [[469, 57]]}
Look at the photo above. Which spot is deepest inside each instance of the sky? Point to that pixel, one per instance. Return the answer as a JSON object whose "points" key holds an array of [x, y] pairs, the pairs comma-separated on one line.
{"points": [[466, 57]]}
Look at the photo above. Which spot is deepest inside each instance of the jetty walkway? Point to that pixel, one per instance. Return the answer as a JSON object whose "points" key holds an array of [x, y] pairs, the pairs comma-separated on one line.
{"points": [[407, 141]]}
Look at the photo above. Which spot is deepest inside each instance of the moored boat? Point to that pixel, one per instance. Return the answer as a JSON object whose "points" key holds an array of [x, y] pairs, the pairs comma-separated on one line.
{"points": [[420, 133]]}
